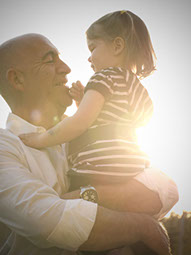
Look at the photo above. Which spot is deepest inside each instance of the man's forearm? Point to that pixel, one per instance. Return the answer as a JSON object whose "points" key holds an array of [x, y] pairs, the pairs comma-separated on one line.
{"points": [[112, 229]]}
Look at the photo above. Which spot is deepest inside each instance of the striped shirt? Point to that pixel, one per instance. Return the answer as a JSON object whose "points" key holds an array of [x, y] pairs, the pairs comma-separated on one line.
{"points": [[109, 147]]}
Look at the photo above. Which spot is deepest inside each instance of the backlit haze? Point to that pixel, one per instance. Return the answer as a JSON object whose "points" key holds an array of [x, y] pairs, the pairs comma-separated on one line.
{"points": [[167, 138]]}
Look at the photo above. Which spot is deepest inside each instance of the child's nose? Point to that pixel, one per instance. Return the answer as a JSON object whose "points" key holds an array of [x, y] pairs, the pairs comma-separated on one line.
{"points": [[89, 59]]}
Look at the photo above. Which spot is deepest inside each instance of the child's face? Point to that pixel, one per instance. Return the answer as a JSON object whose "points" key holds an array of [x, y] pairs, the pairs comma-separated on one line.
{"points": [[102, 54]]}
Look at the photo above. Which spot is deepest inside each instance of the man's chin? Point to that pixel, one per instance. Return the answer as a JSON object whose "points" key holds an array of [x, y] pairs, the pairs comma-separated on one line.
{"points": [[62, 97], [63, 101], [68, 101], [64, 105]]}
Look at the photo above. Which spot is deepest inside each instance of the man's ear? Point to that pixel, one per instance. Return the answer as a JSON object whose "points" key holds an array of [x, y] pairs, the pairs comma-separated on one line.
{"points": [[119, 45], [15, 78]]}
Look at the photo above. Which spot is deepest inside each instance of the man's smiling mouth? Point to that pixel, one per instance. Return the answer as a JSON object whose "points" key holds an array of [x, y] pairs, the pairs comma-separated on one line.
{"points": [[59, 84]]}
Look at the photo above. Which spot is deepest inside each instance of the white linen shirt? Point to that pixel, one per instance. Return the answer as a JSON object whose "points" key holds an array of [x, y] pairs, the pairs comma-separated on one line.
{"points": [[31, 182]]}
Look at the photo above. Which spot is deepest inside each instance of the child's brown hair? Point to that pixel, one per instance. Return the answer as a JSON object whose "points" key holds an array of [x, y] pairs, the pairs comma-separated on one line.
{"points": [[141, 57]]}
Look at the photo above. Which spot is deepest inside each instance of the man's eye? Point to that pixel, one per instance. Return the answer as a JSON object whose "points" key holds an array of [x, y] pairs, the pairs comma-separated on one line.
{"points": [[91, 49], [49, 61]]}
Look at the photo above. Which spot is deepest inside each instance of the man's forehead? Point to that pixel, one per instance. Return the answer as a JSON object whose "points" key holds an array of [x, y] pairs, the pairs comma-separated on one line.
{"points": [[40, 46]]}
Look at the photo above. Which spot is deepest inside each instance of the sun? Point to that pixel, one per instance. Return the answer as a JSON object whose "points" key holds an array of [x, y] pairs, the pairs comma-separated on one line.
{"points": [[143, 139], [147, 139]]}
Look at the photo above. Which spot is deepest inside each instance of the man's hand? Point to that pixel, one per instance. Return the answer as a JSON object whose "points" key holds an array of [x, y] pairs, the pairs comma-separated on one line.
{"points": [[155, 237], [77, 92]]}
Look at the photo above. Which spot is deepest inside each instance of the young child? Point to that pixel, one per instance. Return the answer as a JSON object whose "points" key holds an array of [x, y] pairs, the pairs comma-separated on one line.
{"points": [[103, 145]]}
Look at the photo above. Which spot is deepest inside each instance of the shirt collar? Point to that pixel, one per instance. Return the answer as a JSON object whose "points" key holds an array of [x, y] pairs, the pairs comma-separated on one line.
{"points": [[18, 126]]}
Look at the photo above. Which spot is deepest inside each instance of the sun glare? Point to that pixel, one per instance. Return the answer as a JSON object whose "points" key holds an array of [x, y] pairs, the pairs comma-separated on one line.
{"points": [[146, 139], [146, 135]]}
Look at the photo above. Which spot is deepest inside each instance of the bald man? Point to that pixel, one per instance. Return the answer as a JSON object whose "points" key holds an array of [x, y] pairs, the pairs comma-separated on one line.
{"points": [[33, 82]]}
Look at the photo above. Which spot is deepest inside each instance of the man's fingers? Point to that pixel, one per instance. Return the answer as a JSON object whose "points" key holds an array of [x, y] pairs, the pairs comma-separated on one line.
{"points": [[156, 237], [165, 239]]}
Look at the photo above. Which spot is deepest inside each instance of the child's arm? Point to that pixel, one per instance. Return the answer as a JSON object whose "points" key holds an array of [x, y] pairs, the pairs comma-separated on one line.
{"points": [[71, 127]]}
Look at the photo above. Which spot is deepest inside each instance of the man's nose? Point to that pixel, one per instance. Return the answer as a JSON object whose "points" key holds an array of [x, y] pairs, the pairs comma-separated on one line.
{"points": [[89, 59], [63, 67]]}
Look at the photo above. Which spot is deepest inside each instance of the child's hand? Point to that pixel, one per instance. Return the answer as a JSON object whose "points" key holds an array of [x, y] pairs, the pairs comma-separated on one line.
{"points": [[32, 140], [77, 92]]}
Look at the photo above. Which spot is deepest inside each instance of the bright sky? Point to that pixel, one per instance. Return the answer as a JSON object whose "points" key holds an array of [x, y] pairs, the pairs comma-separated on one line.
{"points": [[166, 138]]}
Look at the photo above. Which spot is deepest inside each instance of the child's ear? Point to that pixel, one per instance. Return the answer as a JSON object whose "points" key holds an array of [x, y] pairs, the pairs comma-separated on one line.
{"points": [[15, 79], [119, 45]]}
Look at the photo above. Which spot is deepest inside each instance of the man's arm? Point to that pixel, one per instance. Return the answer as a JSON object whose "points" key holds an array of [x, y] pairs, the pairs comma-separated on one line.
{"points": [[115, 229], [34, 210]]}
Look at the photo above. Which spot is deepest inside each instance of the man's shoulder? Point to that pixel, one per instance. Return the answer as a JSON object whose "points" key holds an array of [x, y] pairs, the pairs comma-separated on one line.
{"points": [[8, 138], [6, 133]]}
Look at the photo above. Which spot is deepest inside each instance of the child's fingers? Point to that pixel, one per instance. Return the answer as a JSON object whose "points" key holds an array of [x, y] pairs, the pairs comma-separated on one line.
{"points": [[74, 93], [77, 92], [78, 86], [23, 137], [27, 135], [31, 140], [28, 138], [75, 86]]}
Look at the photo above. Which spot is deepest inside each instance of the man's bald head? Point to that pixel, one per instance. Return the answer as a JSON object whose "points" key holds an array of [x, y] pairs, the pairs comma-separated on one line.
{"points": [[16, 47], [13, 55]]}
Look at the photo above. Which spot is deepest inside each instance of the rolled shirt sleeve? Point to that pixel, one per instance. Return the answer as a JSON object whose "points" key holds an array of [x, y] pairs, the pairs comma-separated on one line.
{"points": [[75, 224], [34, 210]]}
